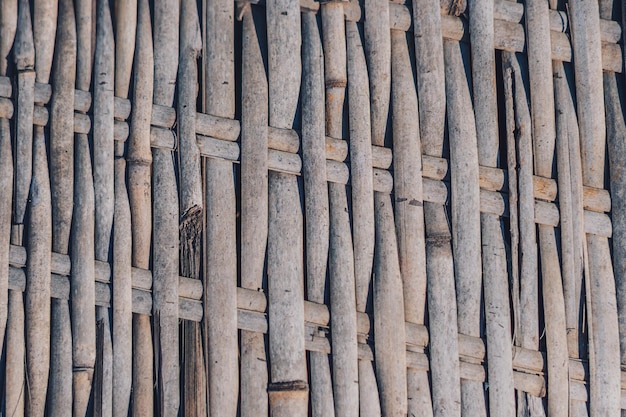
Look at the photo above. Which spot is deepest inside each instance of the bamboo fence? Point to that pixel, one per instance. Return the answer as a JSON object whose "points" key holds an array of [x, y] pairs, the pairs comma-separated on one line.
{"points": [[302, 208]]}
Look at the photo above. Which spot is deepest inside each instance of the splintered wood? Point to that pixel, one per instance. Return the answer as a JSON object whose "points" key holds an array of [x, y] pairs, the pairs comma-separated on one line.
{"points": [[312, 208]]}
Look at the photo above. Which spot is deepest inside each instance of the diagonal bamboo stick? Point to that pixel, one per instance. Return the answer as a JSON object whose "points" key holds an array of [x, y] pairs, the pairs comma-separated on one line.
{"points": [[165, 247], [254, 209], [496, 297], [221, 251], [316, 200]]}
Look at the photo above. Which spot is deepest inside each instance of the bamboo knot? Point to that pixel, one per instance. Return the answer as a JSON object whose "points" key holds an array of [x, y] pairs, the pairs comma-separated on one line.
{"points": [[288, 386], [438, 240]]}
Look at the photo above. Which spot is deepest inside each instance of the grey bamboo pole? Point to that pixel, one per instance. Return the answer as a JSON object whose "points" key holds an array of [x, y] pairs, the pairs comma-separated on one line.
{"points": [[254, 210], [288, 390], [604, 396], [378, 56], [60, 395], [126, 19], [341, 255], [103, 381], [409, 208], [316, 200], [8, 28], [221, 251], [139, 159], [165, 221], [45, 13], [430, 73], [496, 294], [15, 392], [362, 198]]}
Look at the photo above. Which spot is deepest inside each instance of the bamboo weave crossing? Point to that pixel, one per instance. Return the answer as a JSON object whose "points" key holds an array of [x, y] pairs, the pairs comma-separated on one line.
{"points": [[300, 208]]}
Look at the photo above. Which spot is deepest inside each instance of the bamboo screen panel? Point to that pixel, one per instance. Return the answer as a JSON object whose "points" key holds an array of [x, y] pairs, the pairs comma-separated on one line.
{"points": [[312, 208]]}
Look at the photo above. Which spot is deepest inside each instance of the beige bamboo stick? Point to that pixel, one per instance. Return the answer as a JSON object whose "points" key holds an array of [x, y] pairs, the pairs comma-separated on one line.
{"points": [[126, 19], [221, 258], [8, 27], [604, 362], [496, 294], [85, 32], [139, 159], [15, 392], [45, 13], [122, 295], [316, 200], [254, 210], [378, 55], [103, 381], [24, 55], [165, 245], [409, 211], [60, 395], [389, 328], [288, 390], [343, 306], [465, 212]]}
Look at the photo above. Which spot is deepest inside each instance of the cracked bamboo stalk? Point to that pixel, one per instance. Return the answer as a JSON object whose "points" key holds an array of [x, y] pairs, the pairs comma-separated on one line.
{"points": [[8, 28], [139, 159], [601, 298], [254, 210], [103, 381], [389, 327], [165, 221], [122, 337], [409, 209], [526, 289], [126, 19], [316, 200], [362, 198], [378, 56], [221, 250], [465, 190], [288, 390], [495, 289]]}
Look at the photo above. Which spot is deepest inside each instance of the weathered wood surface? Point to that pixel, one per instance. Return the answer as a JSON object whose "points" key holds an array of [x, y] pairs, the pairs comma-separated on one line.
{"points": [[283, 207]]}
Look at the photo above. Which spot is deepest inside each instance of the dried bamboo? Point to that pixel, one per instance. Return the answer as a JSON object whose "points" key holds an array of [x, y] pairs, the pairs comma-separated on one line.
{"points": [[316, 200], [45, 13], [60, 395], [378, 55], [126, 20], [288, 390], [103, 381], [409, 211], [343, 306], [254, 210], [603, 325], [16, 391], [465, 212], [139, 159], [82, 280], [165, 214], [8, 27]]}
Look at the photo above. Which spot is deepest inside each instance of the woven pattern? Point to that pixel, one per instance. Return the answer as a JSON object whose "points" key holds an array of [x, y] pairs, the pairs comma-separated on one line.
{"points": [[312, 208]]}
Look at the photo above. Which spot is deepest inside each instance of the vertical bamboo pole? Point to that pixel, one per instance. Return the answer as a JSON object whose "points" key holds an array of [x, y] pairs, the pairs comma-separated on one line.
{"points": [[15, 392], [409, 208], [165, 247], [288, 391], [8, 27], [139, 160], [316, 200], [361, 183], [126, 20], [444, 364], [254, 209], [496, 296], [465, 192], [45, 13], [341, 255], [221, 250], [378, 55], [103, 381], [605, 357], [61, 185]]}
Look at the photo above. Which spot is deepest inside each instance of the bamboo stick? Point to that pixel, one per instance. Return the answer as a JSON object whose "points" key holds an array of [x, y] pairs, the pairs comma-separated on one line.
{"points": [[389, 313], [126, 20], [343, 306], [24, 55], [45, 13], [15, 392], [8, 28], [103, 383], [85, 35], [409, 211], [378, 56], [254, 210], [316, 200], [221, 261], [61, 394], [139, 160], [165, 220]]}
